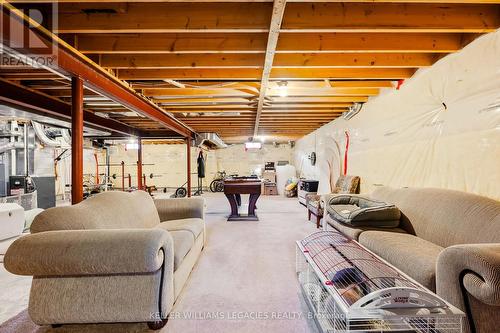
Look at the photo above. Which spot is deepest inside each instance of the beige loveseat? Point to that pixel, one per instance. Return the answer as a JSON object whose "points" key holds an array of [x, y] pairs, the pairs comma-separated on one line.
{"points": [[449, 241], [116, 257]]}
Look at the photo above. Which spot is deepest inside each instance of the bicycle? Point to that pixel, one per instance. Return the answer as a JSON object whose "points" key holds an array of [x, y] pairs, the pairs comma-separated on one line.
{"points": [[217, 185]]}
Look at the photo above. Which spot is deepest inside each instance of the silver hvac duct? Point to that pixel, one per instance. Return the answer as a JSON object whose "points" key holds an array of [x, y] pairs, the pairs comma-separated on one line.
{"points": [[42, 136], [66, 136], [210, 140], [10, 145]]}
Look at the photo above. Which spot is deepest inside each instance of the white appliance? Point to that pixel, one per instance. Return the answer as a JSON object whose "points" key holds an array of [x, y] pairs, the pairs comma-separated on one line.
{"points": [[283, 173], [11, 220]]}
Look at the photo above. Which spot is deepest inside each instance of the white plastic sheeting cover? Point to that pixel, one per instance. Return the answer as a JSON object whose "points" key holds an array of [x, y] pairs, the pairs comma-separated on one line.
{"points": [[441, 129]]}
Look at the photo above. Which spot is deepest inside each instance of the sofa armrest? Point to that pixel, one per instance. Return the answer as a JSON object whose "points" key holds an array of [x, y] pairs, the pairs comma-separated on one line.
{"points": [[89, 252], [180, 208], [476, 267]]}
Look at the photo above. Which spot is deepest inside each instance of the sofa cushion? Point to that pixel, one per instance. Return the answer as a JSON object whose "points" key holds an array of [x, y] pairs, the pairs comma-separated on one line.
{"points": [[412, 255], [354, 232], [194, 225], [183, 242]]}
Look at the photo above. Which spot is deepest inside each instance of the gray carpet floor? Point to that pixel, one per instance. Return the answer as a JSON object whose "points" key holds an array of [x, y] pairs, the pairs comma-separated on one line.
{"points": [[243, 282]]}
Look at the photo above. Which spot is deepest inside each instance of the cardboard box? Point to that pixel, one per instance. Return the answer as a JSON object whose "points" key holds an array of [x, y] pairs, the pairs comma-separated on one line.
{"points": [[270, 176], [270, 189]]}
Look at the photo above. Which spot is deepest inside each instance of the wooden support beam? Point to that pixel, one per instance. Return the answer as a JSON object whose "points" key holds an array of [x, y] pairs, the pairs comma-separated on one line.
{"points": [[231, 60], [348, 60], [276, 74], [336, 84], [390, 17], [255, 17], [189, 74], [189, 43], [76, 140], [164, 17], [244, 108], [304, 92], [325, 90], [200, 101], [317, 100], [384, 42], [272, 42], [243, 1], [341, 73], [226, 60], [195, 92], [165, 43]]}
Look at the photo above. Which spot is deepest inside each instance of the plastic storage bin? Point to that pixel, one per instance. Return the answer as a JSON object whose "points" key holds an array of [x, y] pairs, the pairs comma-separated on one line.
{"points": [[11, 220], [350, 289]]}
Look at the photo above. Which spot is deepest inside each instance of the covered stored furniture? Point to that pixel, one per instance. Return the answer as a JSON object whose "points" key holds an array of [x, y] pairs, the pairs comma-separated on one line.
{"points": [[449, 241], [115, 257], [350, 289], [344, 184]]}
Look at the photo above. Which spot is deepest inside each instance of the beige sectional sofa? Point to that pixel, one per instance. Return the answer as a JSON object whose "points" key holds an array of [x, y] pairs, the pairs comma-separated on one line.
{"points": [[116, 257], [447, 240]]}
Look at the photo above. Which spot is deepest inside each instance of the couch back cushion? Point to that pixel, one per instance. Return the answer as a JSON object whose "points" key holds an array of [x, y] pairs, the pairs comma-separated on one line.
{"points": [[445, 217], [108, 210]]}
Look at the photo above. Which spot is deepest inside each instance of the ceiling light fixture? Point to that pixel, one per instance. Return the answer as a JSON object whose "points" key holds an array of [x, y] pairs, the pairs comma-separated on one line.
{"points": [[282, 88]]}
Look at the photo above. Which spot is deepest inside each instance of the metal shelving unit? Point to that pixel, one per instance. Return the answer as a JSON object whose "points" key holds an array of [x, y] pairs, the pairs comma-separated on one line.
{"points": [[350, 289]]}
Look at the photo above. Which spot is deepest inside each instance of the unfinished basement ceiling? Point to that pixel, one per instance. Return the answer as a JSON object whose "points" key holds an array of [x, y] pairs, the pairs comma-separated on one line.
{"points": [[259, 68]]}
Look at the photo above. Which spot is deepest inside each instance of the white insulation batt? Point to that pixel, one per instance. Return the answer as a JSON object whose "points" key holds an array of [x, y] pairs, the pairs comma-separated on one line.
{"points": [[441, 129]]}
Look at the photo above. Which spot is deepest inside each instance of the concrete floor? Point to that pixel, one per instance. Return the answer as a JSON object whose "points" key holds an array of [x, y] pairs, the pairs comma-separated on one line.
{"points": [[246, 268]]}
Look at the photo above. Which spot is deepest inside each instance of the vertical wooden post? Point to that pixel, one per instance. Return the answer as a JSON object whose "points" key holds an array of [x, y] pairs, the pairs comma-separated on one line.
{"points": [[139, 163], [188, 150], [76, 140]]}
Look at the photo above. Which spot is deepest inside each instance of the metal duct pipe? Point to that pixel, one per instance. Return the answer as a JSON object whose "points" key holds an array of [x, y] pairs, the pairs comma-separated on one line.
{"points": [[66, 136], [212, 140], [40, 133], [10, 145]]}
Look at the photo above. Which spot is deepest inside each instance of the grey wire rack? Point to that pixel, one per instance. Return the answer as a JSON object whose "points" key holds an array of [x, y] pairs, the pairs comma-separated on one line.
{"points": [[350, 289]]}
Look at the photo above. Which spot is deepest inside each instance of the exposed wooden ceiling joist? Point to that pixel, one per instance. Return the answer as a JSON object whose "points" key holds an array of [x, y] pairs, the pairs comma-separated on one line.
{"points": [[236, 61], [365, 17], [256, 17], [276, 73], [164, 17], [243, 1], [330, 53], [188, 43]]}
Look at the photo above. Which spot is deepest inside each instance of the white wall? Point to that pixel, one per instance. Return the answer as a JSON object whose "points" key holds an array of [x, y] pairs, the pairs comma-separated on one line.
{"points": [[170, 162], [409, 138]]}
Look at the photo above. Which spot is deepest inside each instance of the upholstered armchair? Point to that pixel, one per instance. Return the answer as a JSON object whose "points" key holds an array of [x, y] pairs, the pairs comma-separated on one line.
{"points": [[344, 184]]}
